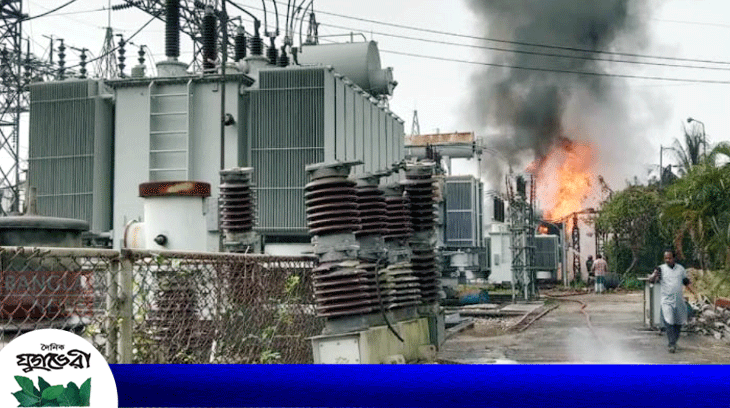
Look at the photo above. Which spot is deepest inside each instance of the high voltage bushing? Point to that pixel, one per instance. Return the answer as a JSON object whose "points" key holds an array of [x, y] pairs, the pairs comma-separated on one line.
{"points": [[345, 288], [172, 28], [272, 53], [210, 34], [61, 60], [239, 42], [372, 215], [331, 199], [256, 43], [398, 223], [420, 191], [283, 60], [371, 206], [342, 285], [419, 187], [237, 209]]}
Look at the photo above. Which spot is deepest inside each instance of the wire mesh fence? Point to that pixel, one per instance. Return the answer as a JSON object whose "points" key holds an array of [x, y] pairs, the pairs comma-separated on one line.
{"points": [[164, 307]]}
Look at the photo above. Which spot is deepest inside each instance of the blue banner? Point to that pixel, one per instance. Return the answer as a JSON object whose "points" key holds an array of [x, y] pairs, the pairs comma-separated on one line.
{"points": [[420, 385]]}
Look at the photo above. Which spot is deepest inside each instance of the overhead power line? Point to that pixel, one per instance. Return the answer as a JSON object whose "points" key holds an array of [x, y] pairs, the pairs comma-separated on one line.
{"points": [[561, 71], [537, 53], [117, 47], [50, 11], [82, 11], [523, 43]]}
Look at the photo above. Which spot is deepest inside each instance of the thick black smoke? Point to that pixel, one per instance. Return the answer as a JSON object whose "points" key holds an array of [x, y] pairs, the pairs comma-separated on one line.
{"points": [[528, 108]]}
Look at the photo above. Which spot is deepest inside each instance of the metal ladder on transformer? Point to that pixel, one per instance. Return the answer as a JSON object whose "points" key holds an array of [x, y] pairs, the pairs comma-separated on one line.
{"points": [[170, 142]]}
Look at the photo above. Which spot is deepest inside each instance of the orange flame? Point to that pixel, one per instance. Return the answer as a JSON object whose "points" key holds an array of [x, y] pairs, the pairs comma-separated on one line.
{"points": [[565, 179]]}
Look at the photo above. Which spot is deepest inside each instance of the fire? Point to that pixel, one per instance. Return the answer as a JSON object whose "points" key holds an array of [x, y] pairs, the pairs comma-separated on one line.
{"points": [[565, 179]]}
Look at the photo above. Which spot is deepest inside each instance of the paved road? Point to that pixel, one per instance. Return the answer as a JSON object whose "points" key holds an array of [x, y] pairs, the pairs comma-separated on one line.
{"points": [[563, 336]]}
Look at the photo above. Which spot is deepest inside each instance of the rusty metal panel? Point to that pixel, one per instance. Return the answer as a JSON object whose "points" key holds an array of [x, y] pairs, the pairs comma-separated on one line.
{"points": [[440, 138]]}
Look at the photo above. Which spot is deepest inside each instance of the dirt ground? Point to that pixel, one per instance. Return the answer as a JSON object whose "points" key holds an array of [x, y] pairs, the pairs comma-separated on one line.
{"points": [[563, 336]]}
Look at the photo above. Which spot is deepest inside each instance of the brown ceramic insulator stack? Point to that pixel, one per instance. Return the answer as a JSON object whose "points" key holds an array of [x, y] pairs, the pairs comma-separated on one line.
{"points": [[420, 191], [236, 201], [331, 206], [372, 211], [423, 263], [342, 285], [345, 288], [403, 286], [406, 285], [399, 225], [419, 186]]}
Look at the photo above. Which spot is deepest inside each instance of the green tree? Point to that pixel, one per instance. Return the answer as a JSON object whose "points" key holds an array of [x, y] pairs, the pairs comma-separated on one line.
{"points": [[698, 207], [631, 216], [689, 154]]}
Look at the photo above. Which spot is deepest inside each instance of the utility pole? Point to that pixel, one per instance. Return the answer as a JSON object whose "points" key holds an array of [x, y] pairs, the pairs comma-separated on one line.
{"points": [[661, 166]]}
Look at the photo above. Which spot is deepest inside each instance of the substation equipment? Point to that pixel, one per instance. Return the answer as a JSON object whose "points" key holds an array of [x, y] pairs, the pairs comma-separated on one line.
{"points": [[377, 283], [463, 249], [521, 193], [214, 160]]}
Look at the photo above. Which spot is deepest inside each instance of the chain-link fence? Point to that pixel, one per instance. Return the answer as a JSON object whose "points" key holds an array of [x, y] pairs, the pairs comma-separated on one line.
{"points": [[164, 307]]}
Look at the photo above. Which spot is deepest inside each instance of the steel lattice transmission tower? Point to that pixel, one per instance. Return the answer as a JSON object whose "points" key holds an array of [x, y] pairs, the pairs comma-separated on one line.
{"points": [[522, 236], [18, 69], [12, 103], [108, 67], [415, 127]]}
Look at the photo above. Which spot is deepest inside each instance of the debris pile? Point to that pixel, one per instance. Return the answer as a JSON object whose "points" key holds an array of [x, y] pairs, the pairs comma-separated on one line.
{"points": [[710, 319]]}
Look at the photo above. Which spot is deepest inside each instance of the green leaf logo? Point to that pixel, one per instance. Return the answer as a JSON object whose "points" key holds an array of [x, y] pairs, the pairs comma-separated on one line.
{"points": [[52, 396]]}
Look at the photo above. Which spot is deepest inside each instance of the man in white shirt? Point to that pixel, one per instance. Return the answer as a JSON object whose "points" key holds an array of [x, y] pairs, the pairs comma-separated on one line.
{"points": [[672, 277], [600, 268]]}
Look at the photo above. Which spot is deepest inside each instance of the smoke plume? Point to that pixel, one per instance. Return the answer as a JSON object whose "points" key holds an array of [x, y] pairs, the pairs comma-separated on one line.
{"points": [[532, 110]]}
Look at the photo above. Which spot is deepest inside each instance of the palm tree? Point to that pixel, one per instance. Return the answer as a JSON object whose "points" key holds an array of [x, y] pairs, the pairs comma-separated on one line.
{"points": [[721, 149], [698, 207], [689, 154]]}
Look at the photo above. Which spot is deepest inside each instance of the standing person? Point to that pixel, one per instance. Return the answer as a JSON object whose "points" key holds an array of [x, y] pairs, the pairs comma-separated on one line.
{"points": [[600, 267], [589, 268], [672, 277]]}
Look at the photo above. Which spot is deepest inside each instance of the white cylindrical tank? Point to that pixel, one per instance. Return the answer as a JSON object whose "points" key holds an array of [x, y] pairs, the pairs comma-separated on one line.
{"points": [[174, 215], [358, 61]]}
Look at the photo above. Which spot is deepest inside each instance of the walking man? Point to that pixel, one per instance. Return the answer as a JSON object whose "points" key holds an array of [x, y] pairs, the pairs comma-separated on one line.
{"points": [[589, 268], [600, 268], [672, 277]]}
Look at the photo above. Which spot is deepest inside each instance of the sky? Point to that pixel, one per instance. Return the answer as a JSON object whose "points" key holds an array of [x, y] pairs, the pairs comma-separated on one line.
{"points": [[448, 94]]}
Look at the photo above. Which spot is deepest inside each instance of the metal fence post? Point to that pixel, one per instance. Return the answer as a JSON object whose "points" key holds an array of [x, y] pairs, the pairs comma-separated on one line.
{"points": [[126, 308], [113, 306]]}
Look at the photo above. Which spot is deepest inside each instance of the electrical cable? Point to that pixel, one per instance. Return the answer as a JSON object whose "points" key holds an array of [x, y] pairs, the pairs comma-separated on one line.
{"points": [[82, 12], [380, 299], [50, 11], [524, 43], [117, 47], [276, 10], [301, 21], [538, 53], [561, 71], [286, 22], [294, 18], [586, 73], [564, 48], [266, 21]]}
